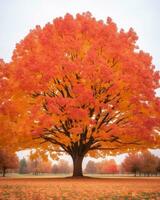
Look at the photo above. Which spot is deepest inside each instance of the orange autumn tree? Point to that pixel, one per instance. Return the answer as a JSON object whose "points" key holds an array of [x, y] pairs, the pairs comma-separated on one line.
{"points": [[13, 109], [7, 109], [92, 89]]}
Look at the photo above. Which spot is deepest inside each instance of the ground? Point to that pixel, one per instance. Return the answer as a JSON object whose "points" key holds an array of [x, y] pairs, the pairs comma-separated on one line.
{"points": [[116, 188]]}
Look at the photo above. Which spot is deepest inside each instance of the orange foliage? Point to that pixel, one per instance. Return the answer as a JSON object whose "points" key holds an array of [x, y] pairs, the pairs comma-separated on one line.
{"points": [[84, 86], [13, 110]]}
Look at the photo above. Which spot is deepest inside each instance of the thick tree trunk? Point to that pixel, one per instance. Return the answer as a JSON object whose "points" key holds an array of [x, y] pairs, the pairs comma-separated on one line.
{"points": [[77, 166], [4, 172]]}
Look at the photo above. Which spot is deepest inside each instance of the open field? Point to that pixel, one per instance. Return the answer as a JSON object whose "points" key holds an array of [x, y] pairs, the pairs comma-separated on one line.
{"points": [[79, 189]]}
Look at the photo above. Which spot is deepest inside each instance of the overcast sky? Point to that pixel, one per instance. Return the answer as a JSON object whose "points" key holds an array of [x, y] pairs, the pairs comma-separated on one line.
{"points": [[17, 17]]}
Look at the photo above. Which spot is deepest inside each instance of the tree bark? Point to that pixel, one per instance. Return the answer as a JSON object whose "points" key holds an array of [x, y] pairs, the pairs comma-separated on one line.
{"points": [[77, 166]]}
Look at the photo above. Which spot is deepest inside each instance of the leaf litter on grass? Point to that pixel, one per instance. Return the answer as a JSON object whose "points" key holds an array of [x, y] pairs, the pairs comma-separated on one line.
{"points": [[88, 189]]}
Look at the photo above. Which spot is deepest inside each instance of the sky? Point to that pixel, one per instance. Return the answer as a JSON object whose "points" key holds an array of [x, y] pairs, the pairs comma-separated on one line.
{"points": [[17, 17]]}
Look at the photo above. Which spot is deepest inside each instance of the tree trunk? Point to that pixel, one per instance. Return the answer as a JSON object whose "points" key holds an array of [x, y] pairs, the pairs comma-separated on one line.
{"points": [[3, 172], [77, 166]]}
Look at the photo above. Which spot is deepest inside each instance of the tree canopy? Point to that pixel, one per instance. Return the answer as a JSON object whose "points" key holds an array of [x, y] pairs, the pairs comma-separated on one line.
{"points": [[85, 88]]}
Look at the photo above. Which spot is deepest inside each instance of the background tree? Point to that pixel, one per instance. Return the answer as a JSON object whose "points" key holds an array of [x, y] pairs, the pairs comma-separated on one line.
{"points": [[33, 166], [103, 167], [107, 167], [149, 163], [62, 167], [111, 167], [157, 165], [23, 166], [143, 163], [46, 167], [91, 167], [55, 169], [8, 160], [38, 165], [89, 89], [132, 163]]}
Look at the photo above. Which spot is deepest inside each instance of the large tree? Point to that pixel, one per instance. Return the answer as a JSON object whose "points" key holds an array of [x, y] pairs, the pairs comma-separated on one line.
{"points": [[91, 90]]}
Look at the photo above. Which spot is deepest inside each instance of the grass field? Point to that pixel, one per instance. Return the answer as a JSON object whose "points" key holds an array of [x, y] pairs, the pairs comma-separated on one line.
{"points": [[79, 189]]}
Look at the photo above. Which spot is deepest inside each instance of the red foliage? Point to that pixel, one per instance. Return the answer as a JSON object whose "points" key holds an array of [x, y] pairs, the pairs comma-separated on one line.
{"points": [[8, 160]]}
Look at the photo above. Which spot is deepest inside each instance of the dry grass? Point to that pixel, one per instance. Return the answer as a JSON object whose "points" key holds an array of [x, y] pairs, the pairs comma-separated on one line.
{"points": [[79, 189]]}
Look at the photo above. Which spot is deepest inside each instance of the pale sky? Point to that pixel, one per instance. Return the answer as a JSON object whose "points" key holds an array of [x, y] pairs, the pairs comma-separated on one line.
{"points": [[17, 17]]}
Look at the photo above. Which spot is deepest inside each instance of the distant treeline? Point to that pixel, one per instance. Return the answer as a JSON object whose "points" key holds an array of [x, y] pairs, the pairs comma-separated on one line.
{"points": [[141, 164]]}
